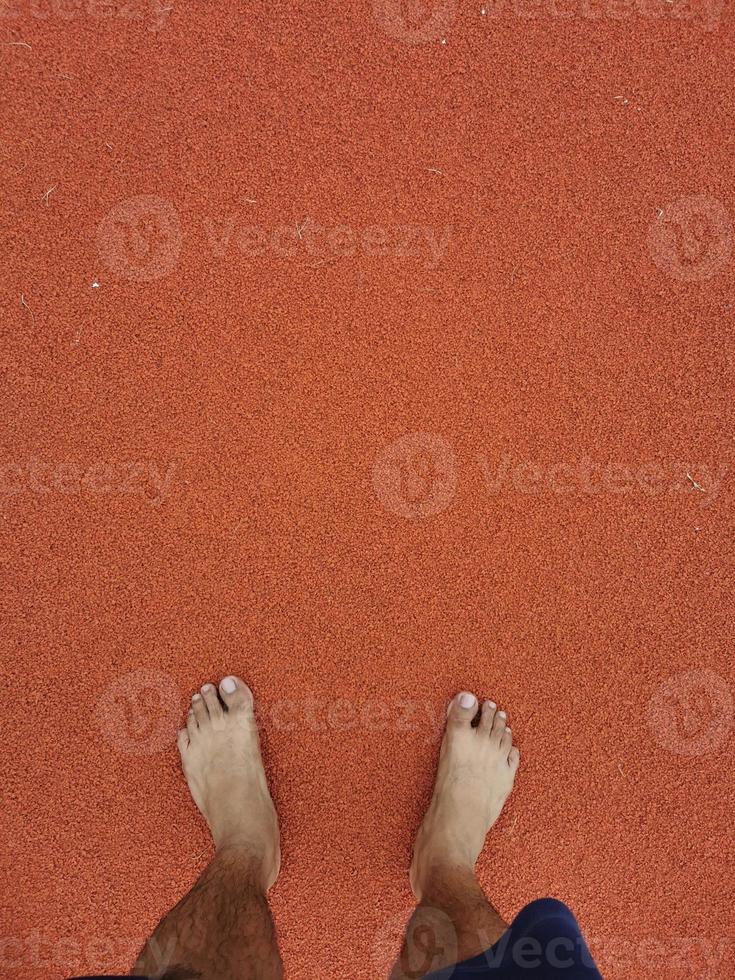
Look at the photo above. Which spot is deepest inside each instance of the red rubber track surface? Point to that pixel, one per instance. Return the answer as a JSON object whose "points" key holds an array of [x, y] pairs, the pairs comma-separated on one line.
{"points": [[371, 353]]}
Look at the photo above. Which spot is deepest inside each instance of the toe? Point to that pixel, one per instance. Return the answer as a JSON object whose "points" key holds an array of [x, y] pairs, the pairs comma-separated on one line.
{"points": [[514, 758], [462, 710], [214, 708], [506, 741], [199, 708], [487, 717], [191, 725], [499, 725], [182, 740], [236, 694]]}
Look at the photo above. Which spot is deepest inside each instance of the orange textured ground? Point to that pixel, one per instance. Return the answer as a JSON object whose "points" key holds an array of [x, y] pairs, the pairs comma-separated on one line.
{"points": [[370, 353]]}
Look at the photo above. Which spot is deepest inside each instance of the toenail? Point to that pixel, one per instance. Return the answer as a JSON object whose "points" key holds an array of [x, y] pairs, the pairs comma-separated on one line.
{"points": [[207, 687], [229, 685], [507, 731], [196, 697], [501, 714], [491, 704], [467, 700]]}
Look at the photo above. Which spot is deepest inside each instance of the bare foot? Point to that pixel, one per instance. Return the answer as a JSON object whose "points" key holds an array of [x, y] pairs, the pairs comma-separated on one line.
{"points": [[220, 754], [477, 767]]}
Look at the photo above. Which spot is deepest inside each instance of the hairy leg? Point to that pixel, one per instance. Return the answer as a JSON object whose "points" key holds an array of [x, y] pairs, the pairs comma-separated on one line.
{"points": [[223, 929], [453, 920]]}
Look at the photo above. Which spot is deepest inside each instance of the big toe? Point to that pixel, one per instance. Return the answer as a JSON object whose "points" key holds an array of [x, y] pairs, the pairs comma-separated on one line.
{"points": [[462, 710], [236, 694]]}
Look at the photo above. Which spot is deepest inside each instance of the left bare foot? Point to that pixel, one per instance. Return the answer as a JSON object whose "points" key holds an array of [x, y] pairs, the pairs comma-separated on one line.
{"points": [[220, 754]]}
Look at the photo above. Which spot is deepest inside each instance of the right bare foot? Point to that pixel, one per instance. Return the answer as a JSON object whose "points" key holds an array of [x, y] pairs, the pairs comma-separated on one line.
{"points": [[477, 767], [220, 755]]}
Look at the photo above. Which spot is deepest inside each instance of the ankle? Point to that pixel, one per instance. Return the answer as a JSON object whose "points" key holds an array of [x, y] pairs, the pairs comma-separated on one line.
{"points": [[439, 878], [239, 854]]}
